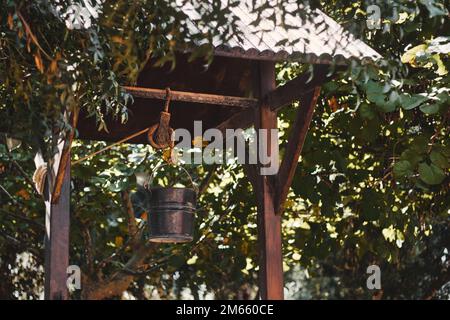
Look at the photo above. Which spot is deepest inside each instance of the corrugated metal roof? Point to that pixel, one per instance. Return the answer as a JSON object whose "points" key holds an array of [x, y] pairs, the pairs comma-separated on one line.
{"points": [[313, 38]]}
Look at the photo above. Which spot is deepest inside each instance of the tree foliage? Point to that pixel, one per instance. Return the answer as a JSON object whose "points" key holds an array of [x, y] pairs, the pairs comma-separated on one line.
{"points": [[372, 186]]}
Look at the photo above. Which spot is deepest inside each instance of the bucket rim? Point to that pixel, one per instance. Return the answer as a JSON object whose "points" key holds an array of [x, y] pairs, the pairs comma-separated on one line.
{"points": [[171, 188]]}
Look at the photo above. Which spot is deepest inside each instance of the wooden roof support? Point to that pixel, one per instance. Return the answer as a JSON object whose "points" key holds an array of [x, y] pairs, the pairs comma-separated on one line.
{"points": [[298, 87], [240, 120], [204, 98], [294, 147], [271, 191], [293, 90], [65, 157]]}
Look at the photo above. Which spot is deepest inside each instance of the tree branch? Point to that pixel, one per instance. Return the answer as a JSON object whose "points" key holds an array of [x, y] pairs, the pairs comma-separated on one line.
{"points": [[118, 282], [207, 180], [21, 245], [25, 176], [88, 247], [24, 218], [132, 226]]}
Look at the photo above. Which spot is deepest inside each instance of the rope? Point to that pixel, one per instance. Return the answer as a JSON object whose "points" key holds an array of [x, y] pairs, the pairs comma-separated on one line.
{"points": [[110, 146], [163, 123]]}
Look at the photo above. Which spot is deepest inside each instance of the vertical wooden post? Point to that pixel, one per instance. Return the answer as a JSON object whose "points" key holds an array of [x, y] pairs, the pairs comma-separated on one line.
{"points": [[57, 223], [57, 215], [269, 224]]}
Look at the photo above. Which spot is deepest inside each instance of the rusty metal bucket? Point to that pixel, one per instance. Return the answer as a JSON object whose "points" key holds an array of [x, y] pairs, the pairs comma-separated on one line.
{"points": [[171, 214]]}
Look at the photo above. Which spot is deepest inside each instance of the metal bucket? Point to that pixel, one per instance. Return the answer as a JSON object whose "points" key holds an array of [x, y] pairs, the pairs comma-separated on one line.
{"points": [[171, 214]]}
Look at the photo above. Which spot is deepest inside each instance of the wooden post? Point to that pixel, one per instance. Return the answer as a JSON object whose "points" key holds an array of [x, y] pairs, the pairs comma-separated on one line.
{"points": [[269, 224], [57, 215], [57, 223]]}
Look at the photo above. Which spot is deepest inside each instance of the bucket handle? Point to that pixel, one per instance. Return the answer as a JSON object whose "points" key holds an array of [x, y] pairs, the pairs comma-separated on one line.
{"points": [[165, 164]]}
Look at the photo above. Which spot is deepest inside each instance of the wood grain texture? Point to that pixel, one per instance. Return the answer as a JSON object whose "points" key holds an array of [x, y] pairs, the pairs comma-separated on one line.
{"points": [[294, 146], [64, 159], [240, 120], [202, 98], [57, 226], [269, 224], [223, 77]]}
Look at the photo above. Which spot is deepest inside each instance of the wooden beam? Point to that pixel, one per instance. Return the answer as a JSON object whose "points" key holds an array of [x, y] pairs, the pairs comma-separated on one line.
{"points": [[203, 98], [281, 96], [57, 215], [269, 224], [57, 224], [294, 147], [297, 87], [240, 120]]}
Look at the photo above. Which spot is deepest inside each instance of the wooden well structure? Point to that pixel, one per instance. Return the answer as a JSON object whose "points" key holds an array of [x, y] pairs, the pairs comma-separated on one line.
{"points": [[237, 90]]}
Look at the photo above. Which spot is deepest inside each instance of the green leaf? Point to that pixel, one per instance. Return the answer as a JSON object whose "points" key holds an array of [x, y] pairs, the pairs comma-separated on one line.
{"points": [[377, 94], [439, 159], [428, 108], [441, 70], [410, 55], [367, 112], [373, 87], [370, 205], [412, 156], [420, 144], [394, 97], [435, 8], [403, 168], [119, 185], [409, 102], [370, 131], [374, 92], [431, 174]]}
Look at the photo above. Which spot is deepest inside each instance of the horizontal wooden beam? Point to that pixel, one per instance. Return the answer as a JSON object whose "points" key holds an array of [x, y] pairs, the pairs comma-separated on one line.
{"points": [[204, 98], [304, 85], [294, 89]]}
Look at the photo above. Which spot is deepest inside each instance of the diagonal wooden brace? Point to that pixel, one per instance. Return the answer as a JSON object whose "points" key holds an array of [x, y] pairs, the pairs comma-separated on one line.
{"points": [[294, 147], [64, 159]]}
